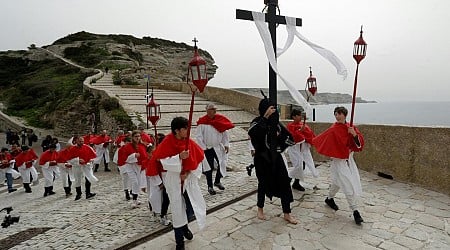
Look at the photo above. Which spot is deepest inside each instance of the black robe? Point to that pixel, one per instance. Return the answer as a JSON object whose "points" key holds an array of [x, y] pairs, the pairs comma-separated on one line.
{"points": [[274, 177]]}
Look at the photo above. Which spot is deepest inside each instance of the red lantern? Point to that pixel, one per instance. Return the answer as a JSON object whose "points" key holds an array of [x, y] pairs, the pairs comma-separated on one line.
{"points": [[311, 83], [154, 112], [359, 48], [197, 69]]}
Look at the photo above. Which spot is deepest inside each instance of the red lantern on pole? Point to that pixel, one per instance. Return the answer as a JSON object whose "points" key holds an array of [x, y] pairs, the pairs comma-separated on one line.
{"points": [[311, 84], [199, 78], [154, 114], [359, 53]]}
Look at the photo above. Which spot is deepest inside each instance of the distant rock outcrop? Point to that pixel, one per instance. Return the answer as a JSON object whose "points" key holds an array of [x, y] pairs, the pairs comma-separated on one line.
{"points": [[284, 97]]}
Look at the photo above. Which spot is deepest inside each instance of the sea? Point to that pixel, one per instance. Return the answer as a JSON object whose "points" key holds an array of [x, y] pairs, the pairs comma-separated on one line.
{"points": [[429, 114]]}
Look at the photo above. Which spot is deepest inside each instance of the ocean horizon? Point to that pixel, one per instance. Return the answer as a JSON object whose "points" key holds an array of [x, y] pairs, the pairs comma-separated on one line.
{"points": [[429, 114]]}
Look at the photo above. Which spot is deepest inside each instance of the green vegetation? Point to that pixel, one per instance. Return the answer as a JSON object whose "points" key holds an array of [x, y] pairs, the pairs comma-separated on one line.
{"points": [[86, 55], [35, 89]]}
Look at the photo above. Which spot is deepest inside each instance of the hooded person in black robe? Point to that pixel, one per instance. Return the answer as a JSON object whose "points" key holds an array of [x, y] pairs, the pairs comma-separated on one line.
{"points": [[271, 171]]}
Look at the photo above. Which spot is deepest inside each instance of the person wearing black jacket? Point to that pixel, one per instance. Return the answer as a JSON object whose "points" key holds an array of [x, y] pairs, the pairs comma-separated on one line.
{"points": [[271, 171]]}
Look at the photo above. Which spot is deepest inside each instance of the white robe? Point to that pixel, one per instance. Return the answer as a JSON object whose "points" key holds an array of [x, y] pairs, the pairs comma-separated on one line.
{"points": [[299, 153], [208, 137], [49, 173], [9, 170], [66, 174], [172, 183], [25, 173], [133, 171], [154, 192], [101, 151], [345, 175], [82, 170]]}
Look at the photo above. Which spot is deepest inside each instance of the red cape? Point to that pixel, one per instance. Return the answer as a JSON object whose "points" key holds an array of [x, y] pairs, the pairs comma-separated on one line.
{"points": [[128, 149], [99, 139], [171, 146], [119, 140], [63, 156], [337, 142], [84, 152], [306, 133], [48, 156], [146, 138], [219, 122], [25, 156]]}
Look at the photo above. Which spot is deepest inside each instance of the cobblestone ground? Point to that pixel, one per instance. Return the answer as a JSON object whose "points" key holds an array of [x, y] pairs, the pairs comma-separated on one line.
{"points": [[396, 216], [107, 220]]}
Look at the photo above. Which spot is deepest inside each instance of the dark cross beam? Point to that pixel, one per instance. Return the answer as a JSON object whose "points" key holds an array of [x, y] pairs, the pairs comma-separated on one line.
{"points": [[272, 19]]}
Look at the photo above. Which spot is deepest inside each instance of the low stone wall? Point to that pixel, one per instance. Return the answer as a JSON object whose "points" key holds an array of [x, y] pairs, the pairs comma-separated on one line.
{"points": [[418, 155]]}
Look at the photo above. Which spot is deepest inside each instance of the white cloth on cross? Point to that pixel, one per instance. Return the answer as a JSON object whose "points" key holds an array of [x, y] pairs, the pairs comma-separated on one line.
{"points": [[259, 19]]}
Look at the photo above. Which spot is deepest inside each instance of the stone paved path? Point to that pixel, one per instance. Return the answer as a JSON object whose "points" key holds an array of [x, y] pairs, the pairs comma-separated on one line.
{"points": [[397, 215]]}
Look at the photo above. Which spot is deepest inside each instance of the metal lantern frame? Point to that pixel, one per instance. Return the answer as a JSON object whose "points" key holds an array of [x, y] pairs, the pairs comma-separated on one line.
{"points": [[198, 75], [154, 114], [359, 53]]}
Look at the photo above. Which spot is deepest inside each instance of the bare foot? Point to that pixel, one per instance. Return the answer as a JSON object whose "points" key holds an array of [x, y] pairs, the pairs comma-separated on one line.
{"points": [[290, 219], [260, 214]]}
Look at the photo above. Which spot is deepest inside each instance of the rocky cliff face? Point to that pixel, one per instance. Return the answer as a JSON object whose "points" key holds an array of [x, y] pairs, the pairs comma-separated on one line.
{"points": [[163, 60]]}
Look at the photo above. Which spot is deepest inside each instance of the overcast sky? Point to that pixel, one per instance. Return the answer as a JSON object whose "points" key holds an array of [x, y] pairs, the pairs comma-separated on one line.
{"points": [[408, 40]]}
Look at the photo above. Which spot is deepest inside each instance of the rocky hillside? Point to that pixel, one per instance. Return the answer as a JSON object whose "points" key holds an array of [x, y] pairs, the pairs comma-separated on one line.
{"points": [[163, 60], [48, 93]]}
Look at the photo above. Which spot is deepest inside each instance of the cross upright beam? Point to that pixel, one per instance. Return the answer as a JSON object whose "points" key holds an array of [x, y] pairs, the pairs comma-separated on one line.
{"points": [[273, 20]]}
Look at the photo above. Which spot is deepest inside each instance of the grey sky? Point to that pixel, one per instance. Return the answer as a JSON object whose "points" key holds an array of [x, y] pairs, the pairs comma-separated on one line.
{"points": [[408, 41]]}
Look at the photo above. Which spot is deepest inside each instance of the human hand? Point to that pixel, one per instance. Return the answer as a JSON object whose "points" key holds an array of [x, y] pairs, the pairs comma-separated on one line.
{"points": [[352, 131], [184, 154], [270, 110]]}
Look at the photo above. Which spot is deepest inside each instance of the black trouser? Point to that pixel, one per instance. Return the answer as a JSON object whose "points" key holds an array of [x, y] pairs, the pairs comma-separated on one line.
{"points": [[165, 203], [261, 196], [210, 156]]}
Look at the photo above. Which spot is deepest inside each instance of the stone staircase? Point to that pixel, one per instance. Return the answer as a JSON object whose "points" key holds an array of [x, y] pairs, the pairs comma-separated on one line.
{"points": [[172, 104]]}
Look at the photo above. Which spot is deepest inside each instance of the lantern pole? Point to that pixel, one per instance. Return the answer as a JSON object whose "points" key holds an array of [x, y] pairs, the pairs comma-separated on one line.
{"points": [[199, 81], [359, 53]]}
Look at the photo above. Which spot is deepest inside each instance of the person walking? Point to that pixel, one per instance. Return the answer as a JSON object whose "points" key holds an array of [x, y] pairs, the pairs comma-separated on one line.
{"points": [[6, 169], [300, 153], [80, 158], [130, 158], [339, 142], [101, 144], [181, 159], [270, 168], [25, 161], [213, 138], [49, 165]]}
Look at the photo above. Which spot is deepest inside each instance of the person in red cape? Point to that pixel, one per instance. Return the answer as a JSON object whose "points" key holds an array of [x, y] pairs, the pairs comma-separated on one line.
{"points": [[65, 168], [6, 169], [118, 142], [25, 161], [130, 159], [146, 138], [49, 164], [212, 137], [181, 179], [270, 168], [339, 142], [80, 156], [158, 199], [101, 144], [300, 153]]}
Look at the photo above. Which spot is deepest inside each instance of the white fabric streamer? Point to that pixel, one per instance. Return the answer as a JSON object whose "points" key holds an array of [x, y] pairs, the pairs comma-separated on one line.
{"points": [[259, 19]]}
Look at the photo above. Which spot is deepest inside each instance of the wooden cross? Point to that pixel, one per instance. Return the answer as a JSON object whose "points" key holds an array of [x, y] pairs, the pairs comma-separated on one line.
{"points": [[273, 20]]}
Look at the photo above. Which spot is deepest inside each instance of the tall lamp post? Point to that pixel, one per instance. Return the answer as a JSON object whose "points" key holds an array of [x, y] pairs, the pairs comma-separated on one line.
{"points": [[311, 85], [359, 53], [197, 74], [147, 95], [153, 114]]}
